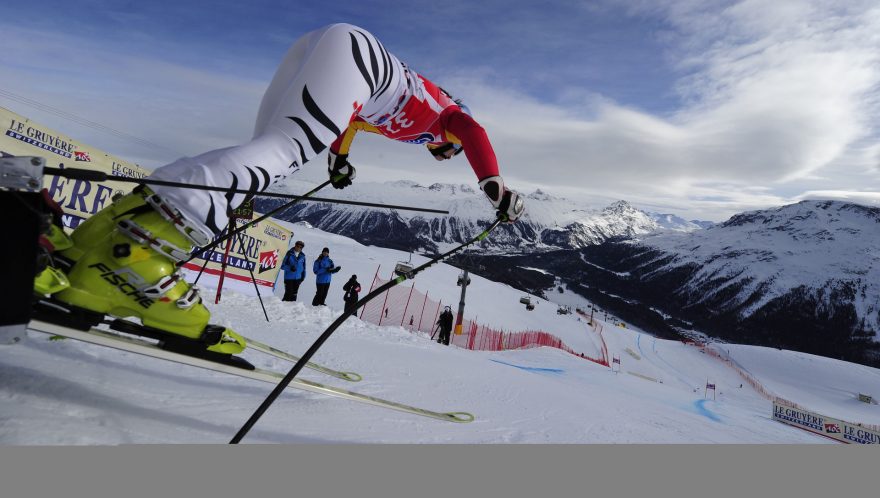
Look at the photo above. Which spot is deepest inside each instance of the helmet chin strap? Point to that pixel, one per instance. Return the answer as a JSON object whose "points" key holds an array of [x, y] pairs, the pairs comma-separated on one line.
{"points": [[441, 150]]}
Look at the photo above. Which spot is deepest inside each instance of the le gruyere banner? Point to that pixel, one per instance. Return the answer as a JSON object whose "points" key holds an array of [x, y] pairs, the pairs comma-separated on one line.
{"points": [[78, 198], [845, 432], [259, 249]]}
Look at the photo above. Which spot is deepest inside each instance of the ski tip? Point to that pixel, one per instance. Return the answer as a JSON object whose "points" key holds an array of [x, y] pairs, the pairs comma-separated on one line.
{"points": [[350, 376], [459, 417]]}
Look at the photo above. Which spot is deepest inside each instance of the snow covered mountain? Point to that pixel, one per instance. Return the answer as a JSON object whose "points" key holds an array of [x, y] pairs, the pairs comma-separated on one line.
{"points": [[804, 276], [549, 223], [801, 276], [676, 223], [617, 220]]}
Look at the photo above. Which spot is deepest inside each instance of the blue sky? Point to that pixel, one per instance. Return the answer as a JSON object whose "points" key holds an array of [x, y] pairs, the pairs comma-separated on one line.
{"points": [[703, 109]]}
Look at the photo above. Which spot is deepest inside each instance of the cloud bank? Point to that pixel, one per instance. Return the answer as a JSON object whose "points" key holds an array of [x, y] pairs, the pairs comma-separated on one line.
{"points": [[775, 102]]}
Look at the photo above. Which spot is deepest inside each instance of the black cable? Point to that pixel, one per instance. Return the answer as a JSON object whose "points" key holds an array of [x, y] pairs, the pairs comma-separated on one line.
{"points": [[82, 121], [100, 176]]}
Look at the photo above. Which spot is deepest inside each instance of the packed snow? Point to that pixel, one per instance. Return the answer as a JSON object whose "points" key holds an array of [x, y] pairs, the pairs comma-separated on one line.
{"points": [[64, 392]]}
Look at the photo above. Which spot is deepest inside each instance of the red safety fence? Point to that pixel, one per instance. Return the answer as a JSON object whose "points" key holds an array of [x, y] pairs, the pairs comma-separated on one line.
{"points": [[757, 386], [402, 306], [413, 310], [597, 328]]}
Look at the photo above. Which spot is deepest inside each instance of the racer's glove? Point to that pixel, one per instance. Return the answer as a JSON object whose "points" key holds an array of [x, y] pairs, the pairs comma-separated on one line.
{"points": [[509, 204], [340, 170]]}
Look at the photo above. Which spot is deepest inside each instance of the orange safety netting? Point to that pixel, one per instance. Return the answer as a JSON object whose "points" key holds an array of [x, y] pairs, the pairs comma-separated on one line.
{"points": [[413, 310]]}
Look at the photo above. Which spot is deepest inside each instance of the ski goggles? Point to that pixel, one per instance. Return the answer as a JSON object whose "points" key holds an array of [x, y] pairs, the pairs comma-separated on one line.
{"points": [[439, 151]]}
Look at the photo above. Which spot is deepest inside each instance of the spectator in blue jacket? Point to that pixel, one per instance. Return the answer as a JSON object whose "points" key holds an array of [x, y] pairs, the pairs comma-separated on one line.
{"points": [[294, 266], [324, 269]]}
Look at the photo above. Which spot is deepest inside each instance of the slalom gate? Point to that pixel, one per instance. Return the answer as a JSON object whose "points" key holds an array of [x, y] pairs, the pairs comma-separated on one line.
{"points": [[413, 310], [782, 408]]}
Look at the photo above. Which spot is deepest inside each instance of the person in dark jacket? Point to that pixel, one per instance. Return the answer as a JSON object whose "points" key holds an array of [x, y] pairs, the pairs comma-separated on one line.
{"points": [[445, 324], [323, 268], [352, 288], [294, 266]]}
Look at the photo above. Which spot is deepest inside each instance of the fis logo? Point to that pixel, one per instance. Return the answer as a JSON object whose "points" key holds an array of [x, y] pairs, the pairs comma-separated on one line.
{"points": [[274, 232], [268, 260], [126, 281], [82, 155], [421, 138], [832, 428]]}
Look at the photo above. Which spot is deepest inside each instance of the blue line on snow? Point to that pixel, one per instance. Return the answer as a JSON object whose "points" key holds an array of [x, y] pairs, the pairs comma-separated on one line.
{"points": [[532, 369], [702, 410], [675, 370]]}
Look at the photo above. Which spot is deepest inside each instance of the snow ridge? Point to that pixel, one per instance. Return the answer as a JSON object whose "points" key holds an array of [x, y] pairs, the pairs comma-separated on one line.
{"points": [[829, 249], [550, 222]]}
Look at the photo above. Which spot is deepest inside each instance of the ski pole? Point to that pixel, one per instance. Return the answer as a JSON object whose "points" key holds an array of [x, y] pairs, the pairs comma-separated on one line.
{"points": [[201, 270], [253, 279], [251, 223], [100, 176], [435, 331], [336, 323]]}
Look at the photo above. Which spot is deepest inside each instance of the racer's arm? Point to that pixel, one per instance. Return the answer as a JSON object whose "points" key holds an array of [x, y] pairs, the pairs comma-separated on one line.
{"points": [[463, 129], [341, 172], [342, 144], [459, 125]]}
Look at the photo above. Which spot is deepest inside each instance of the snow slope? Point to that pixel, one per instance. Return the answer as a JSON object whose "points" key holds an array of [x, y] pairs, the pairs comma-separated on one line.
{"points": [[68, 393]]}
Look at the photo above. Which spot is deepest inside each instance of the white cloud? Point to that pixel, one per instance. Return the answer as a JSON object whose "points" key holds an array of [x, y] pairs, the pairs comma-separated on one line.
{"points": [[869, 198], [778, 92], [776, 96]]}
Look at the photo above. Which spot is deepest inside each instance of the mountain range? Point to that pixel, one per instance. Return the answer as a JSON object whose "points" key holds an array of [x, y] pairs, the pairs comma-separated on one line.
{"points": [[549, 223], [803, 276]]}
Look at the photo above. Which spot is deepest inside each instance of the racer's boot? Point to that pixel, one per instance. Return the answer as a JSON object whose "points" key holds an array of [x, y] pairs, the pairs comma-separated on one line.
{"points": [[122, 263]]}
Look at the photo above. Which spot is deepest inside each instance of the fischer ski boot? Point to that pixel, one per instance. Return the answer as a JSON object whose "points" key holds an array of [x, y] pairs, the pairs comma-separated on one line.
{"points": [[123, 263], [49, 279]]}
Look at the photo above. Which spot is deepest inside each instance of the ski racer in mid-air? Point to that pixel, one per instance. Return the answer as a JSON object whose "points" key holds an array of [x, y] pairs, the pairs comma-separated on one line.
{"points": [[332, 82]]}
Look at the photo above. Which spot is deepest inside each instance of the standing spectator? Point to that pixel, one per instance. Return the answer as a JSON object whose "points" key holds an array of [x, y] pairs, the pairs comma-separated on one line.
{"points": [[445, 323], [352, 288], [294, 267], [323, 268]]}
